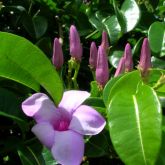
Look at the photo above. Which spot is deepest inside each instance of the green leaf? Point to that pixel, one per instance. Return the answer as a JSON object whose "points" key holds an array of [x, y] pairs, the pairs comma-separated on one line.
{"points": [[36, 26], [156, 80], [94, 20], [113, 28], [137, 47], [162, 101], [114, 57], [134, 121], [157, 63], [40, 26], [49, 160], [120, 17], [28, 24], [10, 108], [97, 145], [108, 87], [50, 4], [131, 13], [126, 82], [45, 45], [23, 62], [156, 35], [161, 158], [95, 91], [96, 103], [31, 154]]}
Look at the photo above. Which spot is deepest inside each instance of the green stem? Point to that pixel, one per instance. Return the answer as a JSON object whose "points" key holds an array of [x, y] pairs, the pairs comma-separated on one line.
{"points": [[93, 74], [74, 78], [30, 7], [160, 82], [69, 75], [91, 34]]}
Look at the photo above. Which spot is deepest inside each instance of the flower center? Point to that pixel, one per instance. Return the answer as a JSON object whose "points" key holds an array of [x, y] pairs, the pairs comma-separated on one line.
{"points": [[62, 120], [63, 125]]}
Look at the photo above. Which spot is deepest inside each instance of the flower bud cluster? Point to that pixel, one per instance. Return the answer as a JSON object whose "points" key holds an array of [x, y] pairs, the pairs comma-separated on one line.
{"points": [[98, 60], [126, 62]]}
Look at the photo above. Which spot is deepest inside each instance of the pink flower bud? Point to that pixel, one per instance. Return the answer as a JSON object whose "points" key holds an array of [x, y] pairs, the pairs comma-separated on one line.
{"points": [[57, 58], [145, 57], [105, 42], [128, 58], [121, 67], [75, 45], [93, 56], [102, 70]]}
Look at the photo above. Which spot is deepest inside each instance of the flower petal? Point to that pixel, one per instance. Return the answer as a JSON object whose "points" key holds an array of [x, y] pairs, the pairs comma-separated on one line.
{"points": [[72, 99], [68, 148], [40, 107], [45, 133], [87, 121]]}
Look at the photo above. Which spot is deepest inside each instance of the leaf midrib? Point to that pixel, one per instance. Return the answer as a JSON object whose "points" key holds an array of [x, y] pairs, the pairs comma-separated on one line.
{"points": [[139, 127]]}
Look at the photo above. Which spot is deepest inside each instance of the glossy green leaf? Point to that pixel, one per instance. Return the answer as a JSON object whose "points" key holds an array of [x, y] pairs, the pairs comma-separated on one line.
{"points": [[95, 20], [131, 13], [113, 28], [23, 62], [120, 17], [100, 15], [134, 121], [156, 35], [126, 82], [114, 57], [108, 87]]}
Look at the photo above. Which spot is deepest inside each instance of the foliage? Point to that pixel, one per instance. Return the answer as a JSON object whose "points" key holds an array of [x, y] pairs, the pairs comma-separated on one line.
{"points": [[132, 105]]}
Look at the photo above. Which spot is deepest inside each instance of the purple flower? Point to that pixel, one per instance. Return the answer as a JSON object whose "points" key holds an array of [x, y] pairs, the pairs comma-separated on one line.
{"points": [[61, 128], [57, 58], [93, 56], [128, 58], [145, 57], [75, 44], [121, 67], [102, 70], [105, 43]]}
